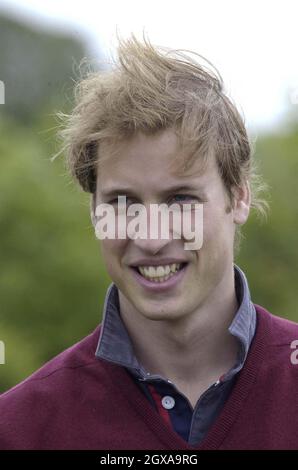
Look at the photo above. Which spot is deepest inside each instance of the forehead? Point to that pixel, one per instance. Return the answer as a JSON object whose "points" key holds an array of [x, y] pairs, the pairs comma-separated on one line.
{"points": [[148, 162]]}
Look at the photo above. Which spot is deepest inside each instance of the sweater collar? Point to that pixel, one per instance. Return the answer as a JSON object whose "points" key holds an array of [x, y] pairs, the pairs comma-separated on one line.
{"points": [[115, 345]]}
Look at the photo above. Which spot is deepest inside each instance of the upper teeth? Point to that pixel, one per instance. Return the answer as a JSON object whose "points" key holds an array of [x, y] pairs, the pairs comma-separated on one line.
{"points": [[159, 271]]}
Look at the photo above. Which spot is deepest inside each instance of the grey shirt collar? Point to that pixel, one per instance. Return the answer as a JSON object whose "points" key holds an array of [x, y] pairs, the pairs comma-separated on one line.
{"points": [[115, 346]]}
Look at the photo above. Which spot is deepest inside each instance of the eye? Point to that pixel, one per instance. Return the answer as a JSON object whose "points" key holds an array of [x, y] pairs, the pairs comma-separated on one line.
{"points": [[113, 201], [188, 198], [121, 205], [117, 201]]}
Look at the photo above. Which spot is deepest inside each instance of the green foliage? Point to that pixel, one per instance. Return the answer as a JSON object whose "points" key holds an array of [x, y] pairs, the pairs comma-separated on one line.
{"points": [[269, 252], [52, 282]]}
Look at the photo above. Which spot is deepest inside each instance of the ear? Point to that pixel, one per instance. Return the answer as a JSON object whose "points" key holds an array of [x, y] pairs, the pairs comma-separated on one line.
{"points": [[242, 201], [92, 208]]}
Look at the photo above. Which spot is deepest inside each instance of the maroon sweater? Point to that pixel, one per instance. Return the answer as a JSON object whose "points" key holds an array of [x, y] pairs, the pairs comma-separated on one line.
{"points": [[77, 401]]}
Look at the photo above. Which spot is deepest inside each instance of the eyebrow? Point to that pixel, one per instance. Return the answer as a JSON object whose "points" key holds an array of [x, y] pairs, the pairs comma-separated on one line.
{"points": [[115, 191], [112, 192]]}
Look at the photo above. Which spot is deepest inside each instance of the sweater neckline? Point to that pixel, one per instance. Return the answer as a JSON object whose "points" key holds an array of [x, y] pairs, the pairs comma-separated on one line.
{"points": [[231, 409]]}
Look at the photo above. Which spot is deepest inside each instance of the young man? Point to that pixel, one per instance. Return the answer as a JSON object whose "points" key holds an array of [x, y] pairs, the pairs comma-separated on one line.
{"points": [[183, 359]]}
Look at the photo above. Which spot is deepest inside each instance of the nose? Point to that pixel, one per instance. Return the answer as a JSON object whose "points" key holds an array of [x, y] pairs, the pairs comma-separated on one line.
{"points": [[153, 235], [150, 246]]}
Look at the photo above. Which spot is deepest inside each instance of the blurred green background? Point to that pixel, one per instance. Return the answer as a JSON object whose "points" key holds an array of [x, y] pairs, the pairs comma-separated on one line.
{"points": [[52, 279]]}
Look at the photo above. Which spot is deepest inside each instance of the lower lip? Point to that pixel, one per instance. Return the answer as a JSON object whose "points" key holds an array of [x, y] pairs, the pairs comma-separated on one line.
{"points": [[160, 286]]}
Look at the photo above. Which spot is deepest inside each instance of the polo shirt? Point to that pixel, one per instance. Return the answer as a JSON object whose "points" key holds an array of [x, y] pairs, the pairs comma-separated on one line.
{"points": [[190, 423]]}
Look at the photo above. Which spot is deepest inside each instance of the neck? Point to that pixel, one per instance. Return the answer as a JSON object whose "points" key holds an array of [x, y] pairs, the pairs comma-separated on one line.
{"points": [[192, 352]]}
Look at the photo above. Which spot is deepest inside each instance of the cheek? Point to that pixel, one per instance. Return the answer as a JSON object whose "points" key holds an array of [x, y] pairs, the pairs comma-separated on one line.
{"points": [[112, 252], [217, 230]]}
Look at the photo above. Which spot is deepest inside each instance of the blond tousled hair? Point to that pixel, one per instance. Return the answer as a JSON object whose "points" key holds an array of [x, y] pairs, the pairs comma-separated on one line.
{"points": [[149, 89]]}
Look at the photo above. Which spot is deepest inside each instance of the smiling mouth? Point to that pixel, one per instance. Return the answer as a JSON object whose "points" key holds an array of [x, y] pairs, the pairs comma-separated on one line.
{"points": [[161, 273]]}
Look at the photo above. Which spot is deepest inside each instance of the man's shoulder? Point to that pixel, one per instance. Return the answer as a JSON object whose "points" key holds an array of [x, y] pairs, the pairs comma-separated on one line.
{"points": [[279, 338], [56, 374], [54, 406], [279, 329]]}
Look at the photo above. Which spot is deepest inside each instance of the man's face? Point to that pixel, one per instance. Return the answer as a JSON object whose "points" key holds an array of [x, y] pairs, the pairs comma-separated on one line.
{"points": [[142, 173]]}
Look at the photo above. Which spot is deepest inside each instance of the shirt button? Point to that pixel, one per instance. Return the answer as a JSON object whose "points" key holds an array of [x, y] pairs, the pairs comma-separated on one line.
{"points": [[168, 402]]}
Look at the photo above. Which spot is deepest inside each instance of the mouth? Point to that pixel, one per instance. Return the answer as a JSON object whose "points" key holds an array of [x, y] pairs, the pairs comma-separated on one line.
{"points": [[159, 274]]}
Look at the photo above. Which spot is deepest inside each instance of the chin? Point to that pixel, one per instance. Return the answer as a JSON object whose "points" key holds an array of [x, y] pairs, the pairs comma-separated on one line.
{"points": [[165, 313]]}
